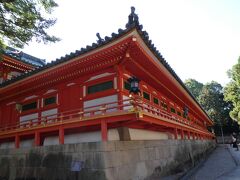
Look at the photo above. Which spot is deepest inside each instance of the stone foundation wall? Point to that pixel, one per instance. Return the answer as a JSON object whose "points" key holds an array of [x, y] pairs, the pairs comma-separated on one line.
{"points": [[114, 160]]}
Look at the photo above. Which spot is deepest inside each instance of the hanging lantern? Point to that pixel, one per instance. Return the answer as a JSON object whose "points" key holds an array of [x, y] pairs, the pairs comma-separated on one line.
{"points": [[19, 107], [185, 111], [134, 85]]}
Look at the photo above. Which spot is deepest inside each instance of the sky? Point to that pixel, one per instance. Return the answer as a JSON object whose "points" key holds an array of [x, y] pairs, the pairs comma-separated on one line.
{"points": [[200, 39]]}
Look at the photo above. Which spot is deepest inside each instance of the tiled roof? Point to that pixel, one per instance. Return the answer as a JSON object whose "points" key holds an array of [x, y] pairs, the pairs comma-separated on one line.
{"points": [[23, 57], [133, 23]]}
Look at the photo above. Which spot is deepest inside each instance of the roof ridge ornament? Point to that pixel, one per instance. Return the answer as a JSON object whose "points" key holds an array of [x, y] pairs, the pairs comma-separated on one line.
{"points": [[132, 18], [100, 40]]}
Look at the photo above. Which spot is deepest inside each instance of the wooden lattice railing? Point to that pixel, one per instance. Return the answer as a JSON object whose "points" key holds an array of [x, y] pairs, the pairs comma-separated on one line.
{"points": [[132, 105]]}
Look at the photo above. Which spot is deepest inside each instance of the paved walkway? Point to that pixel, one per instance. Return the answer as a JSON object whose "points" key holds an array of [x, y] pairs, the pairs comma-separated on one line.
{"points": [[222, 164]]}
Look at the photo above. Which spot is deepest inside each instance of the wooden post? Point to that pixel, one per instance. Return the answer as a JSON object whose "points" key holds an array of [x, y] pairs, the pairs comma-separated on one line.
{"points": [[37, 139], [104, 131], [17, 141], [188, 134], [182, 134], [120, 83], [193, 136], [175, 133], [61, 135], [5, 74]]}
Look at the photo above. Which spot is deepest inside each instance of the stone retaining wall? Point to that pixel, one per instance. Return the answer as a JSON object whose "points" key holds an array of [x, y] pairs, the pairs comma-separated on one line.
{"points": [[115, 160]]}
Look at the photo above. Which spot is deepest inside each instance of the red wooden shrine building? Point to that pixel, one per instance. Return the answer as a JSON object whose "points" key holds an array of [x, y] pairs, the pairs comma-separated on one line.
{"points": [[13, 63], [84, 96]]}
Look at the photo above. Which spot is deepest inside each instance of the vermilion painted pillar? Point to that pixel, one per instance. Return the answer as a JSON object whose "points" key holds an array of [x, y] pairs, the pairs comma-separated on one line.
{"points": [[188, 134], [182, 134], [17, 141], [193, 136], [61, 135], [175, 133], [119, 71], [37, 139], [104, 130], [5, 74]]}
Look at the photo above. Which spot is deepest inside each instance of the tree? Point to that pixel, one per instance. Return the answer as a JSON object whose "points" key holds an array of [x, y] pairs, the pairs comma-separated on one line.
{"points": [[232, 91], [22, 20], [194, 87], [211, 98]]}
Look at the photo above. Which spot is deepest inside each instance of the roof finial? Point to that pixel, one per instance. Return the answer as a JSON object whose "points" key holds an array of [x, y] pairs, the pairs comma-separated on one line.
{"points": [[100, 40], [132, 18]]}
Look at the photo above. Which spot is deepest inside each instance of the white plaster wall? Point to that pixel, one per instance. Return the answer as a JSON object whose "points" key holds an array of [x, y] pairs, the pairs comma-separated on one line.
{"points": [[145, 106], [50, 112], [30, 97], [29, 117], [53, 140], [126, 102], [99, 76], [98, 101], [141, 134], [7, 145], [26, 143], [82, 137], [113, 135]]}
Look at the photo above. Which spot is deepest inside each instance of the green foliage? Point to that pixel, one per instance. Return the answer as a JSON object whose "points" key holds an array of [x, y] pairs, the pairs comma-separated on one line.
{"points": [[211, 98], [232, 91], [21, 20], [194, 87]]}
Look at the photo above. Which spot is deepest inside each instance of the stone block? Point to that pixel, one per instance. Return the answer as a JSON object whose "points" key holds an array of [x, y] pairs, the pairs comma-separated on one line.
{"points": [[151, 153], [143, 153], [155, 143], [112, 173], [98, 160], [95, 146], [128, 145], [141, 171], [102, 160], [112, 159], [130, 156]]}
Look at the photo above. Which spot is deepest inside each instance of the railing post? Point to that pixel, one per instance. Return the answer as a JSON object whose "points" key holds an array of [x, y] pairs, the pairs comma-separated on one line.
{"points": [[104, 131], [80, 114], [30, 123], [103, 109], [61, 117]]}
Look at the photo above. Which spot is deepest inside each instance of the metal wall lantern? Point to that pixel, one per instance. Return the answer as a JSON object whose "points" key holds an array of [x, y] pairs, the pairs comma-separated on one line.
{"points": [[185, 111], [134, 85], [19, 107]]}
